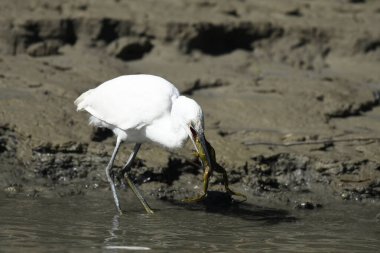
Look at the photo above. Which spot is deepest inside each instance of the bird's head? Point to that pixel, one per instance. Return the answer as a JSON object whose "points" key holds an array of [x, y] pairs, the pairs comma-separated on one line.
{"points": [[190, 116]]}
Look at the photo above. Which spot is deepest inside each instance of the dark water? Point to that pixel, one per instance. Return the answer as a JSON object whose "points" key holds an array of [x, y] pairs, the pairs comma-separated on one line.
{"points": [[90, 224]]}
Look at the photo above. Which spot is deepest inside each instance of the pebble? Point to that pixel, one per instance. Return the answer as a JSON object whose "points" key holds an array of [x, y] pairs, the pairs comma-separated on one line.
{"points": [[308, 205]]}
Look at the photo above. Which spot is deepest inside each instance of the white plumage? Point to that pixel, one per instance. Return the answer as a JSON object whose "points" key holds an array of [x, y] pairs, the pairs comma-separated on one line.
{"points": [[129, 102], [143, 108]]}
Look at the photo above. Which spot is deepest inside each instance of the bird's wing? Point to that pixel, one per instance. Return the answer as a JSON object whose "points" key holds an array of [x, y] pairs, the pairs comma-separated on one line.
{"points": [[132, 101]]}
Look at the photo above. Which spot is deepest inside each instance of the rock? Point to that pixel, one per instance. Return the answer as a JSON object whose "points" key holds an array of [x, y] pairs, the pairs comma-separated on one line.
{"points": [[12, 189], [218, 39], [44, 48], [129, 48], [3, 145], [345, 195], [308, 205], [357, 1], [67, 147], [8, 140], [100, 134], [295, 13]]}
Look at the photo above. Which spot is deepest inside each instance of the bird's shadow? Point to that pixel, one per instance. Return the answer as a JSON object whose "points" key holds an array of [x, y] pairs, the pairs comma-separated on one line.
{"points": [[222, 203]]}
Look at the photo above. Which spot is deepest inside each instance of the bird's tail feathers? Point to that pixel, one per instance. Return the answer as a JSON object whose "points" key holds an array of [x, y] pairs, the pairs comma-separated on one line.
{"points": [[80, 102]]}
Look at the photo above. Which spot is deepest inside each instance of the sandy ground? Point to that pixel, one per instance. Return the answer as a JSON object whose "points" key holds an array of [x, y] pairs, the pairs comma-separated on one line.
{"points": [[290, 92]]}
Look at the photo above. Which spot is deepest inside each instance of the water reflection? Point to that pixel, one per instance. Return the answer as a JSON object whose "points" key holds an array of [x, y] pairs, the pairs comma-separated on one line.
{"points": [[221, 203], [113, 231], [70, 226], [113, 242]]}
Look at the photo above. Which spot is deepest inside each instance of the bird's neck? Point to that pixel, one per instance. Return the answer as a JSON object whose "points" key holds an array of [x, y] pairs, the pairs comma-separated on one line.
{"points": [[168, 132]]}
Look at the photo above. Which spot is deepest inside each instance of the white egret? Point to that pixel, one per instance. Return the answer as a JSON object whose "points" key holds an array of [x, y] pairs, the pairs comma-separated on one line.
{"points": [[144, 108]]}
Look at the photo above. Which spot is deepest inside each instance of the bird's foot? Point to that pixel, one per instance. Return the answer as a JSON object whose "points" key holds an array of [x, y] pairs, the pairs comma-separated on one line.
{"points": [[233, 193], [195, 199]]}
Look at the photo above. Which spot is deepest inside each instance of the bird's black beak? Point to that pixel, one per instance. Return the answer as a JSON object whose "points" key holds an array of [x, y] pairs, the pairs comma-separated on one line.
{"points": [[201, 146]]}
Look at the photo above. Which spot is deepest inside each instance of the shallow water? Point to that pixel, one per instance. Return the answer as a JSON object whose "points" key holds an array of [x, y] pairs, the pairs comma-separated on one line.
{"points": [[90, 224]]}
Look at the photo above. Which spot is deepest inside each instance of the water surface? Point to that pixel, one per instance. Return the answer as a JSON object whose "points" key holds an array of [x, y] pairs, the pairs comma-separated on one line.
{"points": [[90, 224]]}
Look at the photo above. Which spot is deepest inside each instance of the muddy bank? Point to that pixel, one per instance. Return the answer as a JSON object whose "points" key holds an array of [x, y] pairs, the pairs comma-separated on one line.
{"points": [[269, 77]]}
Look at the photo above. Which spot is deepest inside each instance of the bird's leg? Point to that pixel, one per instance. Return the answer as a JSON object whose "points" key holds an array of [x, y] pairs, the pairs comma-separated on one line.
{"points": [[222, 170], [127, 166], [109, 178], [125, 174]]}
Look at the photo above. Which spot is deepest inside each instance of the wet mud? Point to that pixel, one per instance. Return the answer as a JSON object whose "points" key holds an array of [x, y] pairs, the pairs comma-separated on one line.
{"points": [[290, 93]]}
